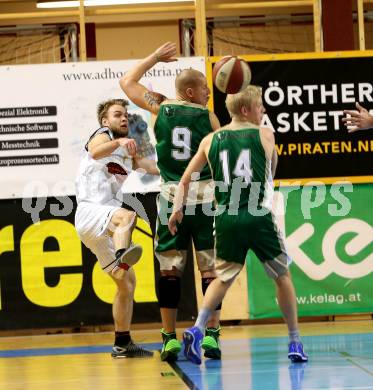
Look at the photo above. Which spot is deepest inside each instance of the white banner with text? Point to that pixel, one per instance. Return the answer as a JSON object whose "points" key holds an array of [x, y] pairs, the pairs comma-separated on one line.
{"points": [[48, 112]]}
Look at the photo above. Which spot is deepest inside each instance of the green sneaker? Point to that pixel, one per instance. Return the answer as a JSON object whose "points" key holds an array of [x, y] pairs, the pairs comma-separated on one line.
{"points": [[211, 344], [171, 346]]}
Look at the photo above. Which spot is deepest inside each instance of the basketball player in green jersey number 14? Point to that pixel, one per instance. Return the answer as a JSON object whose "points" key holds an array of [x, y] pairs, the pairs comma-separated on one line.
{"points": [[242, 158], [180, 125]]}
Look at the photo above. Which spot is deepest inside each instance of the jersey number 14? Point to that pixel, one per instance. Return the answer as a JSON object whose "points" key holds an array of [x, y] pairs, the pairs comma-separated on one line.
{"points": [[241, 169]]}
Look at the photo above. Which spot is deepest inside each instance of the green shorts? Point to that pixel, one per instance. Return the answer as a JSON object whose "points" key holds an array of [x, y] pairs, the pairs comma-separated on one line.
{"points": [[236, 234], [198, 227]]}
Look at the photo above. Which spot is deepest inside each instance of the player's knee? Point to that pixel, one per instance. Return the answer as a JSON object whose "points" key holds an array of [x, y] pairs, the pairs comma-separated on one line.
{"points": [[124, 216], [205, 282], [282, 279], [169, 291], [125, 223], [128, 217]]}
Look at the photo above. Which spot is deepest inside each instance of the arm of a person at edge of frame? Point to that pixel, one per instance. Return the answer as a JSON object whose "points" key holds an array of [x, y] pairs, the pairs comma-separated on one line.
{"points": [[274, 162], [215, 124], [138, 93], [196, 165], [150, 166], [102, 146], [269, 138], [358, 120]]}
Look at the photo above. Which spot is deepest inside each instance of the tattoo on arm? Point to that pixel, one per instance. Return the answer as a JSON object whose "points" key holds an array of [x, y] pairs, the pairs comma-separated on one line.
{"points": [[154, 98]]}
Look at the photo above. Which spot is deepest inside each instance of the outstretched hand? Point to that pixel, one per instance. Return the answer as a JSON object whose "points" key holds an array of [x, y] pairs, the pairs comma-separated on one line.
{"points": [[357, 120], [176, 217], [166, 53]]}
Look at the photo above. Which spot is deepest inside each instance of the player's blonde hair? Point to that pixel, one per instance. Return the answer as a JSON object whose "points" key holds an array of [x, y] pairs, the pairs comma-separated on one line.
{"points": [[103, 107], [247, 97]]}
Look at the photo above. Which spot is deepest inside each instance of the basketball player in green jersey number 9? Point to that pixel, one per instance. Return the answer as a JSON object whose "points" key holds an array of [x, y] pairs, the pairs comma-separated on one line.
{"points": [[243, 159], [180, 125]]}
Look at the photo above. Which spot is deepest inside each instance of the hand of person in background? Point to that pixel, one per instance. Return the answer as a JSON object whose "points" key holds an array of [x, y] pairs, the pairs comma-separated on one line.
{"points": [[166, 53], [128, 144], [357, 120]]}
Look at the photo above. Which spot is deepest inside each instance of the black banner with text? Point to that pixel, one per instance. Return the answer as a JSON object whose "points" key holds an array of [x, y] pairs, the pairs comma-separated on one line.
{"points": [[48, 279], [304, 101]]}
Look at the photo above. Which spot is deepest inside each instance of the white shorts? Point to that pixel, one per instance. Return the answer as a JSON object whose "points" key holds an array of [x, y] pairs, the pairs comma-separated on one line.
{"points": [[177, 259], [92, 224], [228, 270]]}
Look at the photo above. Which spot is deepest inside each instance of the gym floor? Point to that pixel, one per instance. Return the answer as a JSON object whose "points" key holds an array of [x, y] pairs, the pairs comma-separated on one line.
{"points": [[254, 357]]}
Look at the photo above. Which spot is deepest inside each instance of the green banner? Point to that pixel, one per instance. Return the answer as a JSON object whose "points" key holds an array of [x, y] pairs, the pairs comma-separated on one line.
{"points": [[329, 236]]}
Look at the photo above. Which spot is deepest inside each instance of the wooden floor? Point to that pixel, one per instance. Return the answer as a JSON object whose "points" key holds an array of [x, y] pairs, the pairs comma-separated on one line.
{"points": [[254, 357]]}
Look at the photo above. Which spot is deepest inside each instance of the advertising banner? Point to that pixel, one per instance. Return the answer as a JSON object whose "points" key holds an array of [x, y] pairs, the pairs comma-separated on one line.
{"points": [[329, 237], [49, 279], [48, 112], [304, 99]]}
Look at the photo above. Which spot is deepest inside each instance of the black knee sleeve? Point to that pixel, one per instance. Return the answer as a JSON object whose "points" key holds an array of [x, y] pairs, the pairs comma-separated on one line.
{"points": [[169, 290], [205, 283]]}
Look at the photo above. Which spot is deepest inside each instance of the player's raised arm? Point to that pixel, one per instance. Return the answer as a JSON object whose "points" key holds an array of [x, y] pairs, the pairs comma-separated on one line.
{"points": [[138, 93]]}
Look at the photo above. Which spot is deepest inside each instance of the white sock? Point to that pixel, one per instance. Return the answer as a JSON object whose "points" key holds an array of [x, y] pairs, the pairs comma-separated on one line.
{"points": [[294, 335], [203, 316]]}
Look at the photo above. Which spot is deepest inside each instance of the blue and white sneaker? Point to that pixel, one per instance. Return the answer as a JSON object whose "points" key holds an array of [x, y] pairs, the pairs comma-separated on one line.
{"points": [[296, 353], [192, 344]]}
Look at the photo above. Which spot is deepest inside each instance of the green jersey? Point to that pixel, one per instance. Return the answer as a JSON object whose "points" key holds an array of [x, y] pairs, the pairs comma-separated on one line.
{"points": [[179, 129], [240, 169]]}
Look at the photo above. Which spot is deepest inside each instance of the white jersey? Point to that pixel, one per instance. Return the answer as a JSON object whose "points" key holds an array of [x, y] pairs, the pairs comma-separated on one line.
{"points": [[99, 181]]}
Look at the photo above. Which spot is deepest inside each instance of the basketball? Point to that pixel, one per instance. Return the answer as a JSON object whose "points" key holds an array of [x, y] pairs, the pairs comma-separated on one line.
{"points": [[231, 74]]}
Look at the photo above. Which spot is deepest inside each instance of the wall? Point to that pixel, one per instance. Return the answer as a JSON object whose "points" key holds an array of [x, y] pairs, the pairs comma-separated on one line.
{"points": [[263, 38], [30, 49], [133, 40]]}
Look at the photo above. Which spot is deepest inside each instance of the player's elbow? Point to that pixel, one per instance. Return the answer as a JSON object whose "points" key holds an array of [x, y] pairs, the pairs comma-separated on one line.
{"points": [[125, 83], [95, 154]]}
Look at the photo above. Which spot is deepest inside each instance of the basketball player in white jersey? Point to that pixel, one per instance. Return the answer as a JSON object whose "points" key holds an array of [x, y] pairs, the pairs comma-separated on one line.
{"points": [[103, 222]]}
